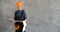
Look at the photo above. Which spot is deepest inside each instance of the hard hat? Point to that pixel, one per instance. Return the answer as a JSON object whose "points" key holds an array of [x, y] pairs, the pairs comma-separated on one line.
{"points": [[19, 4]]}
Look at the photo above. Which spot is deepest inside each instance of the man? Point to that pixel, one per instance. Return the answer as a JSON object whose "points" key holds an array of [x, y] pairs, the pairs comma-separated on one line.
{"points": [[20, 15]]}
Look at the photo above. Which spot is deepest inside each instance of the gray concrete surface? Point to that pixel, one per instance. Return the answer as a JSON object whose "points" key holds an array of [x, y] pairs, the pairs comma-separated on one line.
{"points": [[43, 15]]}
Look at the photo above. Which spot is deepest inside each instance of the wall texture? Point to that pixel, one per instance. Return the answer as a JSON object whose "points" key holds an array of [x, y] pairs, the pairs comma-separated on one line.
{"points": [[43, 15]]}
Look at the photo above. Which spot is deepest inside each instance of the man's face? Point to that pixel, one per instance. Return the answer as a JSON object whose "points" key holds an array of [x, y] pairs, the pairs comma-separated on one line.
{"points": [[19, 7]]}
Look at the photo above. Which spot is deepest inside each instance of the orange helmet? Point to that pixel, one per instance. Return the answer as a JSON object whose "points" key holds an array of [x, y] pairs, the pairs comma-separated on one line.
{"points": [[19, 4]]}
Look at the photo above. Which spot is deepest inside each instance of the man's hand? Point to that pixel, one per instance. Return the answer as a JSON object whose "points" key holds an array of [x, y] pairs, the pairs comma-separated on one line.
{"points": [[25, 20], [11, 20]]}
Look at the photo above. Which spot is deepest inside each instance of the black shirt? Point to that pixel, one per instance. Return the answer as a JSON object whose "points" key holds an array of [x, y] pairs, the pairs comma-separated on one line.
{"points": [[20, 15]]}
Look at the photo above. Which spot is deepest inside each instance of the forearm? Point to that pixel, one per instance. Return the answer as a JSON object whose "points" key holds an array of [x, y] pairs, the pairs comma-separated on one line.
{"points": [[25, 20], [10, 19]]}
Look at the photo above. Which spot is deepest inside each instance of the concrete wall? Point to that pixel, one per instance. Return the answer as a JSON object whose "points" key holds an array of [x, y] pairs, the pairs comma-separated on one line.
{"points": [[43, 15]]}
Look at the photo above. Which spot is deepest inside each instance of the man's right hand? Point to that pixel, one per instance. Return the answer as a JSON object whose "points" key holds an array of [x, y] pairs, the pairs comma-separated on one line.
{"points": [[11, 20]]}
